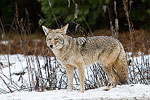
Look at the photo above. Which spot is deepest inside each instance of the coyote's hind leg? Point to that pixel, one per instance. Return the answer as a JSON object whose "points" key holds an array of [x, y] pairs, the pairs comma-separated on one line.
{"points": [[112, 80]]}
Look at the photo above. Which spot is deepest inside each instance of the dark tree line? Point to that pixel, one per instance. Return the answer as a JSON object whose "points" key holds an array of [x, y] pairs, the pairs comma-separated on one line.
{"points": [[96, 13]]}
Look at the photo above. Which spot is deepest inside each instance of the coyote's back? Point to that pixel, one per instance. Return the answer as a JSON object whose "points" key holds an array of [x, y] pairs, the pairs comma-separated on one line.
{"points": [[79, 52], [99, 48]]}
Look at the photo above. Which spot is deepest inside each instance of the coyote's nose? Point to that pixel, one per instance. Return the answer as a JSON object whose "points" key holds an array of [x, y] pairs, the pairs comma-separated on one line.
{"points": [[51, 46]]}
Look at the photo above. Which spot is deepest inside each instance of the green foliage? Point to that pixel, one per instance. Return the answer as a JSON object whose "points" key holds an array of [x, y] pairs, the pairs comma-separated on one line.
{"points": [[140, 14], [89, 10]]}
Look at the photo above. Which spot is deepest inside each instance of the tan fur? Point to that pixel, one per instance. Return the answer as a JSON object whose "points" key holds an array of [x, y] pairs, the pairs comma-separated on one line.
{"points": [[80, 52]]}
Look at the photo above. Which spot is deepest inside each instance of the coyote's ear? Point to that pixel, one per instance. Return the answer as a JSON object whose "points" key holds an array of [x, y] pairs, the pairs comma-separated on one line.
{"points": [[64, 29], [46, 30]]}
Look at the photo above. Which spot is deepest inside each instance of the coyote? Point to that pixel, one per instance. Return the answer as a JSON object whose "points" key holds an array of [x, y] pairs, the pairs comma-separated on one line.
{"points": [[80, 52]]}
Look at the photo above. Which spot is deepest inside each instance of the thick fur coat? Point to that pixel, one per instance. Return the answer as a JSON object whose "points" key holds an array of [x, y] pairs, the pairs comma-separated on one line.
{"points": [[80, 52]]}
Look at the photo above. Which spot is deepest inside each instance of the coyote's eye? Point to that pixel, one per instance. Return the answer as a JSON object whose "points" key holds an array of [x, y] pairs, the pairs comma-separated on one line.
{"points": [[56, 39]]}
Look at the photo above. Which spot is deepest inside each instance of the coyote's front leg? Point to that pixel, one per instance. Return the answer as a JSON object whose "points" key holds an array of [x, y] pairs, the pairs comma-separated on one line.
{"points": [[80, 69], [69, 70]]}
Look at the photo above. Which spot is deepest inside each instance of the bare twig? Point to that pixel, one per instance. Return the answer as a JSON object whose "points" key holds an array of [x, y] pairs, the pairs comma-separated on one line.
{"points": [[76, 9], [68, 3], [3, 30], [4, 38], [6, 84], [110, 22], [49, 1], [130, 26], [116, 19]]}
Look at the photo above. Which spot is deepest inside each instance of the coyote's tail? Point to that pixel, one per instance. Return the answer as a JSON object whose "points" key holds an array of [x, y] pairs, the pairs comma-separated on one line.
{"points": [[121, 66]]}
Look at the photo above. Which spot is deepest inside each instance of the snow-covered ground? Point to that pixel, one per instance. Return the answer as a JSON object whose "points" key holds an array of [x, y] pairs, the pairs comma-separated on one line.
{"points": [[124, 92], [16, 67]]}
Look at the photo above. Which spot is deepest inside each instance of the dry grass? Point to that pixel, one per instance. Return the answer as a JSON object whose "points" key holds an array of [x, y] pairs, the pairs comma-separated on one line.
{"points": [[141, 42], [34, 44], [27, 45]]}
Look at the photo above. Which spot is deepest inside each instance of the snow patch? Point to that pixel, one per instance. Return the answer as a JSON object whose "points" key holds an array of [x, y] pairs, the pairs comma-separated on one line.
{"points": [[130, 92]]}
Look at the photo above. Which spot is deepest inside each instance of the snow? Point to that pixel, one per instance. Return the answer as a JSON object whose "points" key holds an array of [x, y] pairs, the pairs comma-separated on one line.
{"points": [[132, 92], [4, 42], [20, 63]]}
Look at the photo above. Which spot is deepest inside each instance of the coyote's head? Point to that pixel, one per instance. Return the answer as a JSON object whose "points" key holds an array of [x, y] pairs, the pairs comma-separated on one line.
{"points": [[55, 39]]}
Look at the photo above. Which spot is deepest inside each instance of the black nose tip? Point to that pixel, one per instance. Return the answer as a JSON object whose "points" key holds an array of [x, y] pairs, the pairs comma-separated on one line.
{"points": [[51, 46]]}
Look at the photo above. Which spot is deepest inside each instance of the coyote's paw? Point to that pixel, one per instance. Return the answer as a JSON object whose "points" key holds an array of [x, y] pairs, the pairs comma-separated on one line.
{"points": [[81, 91], [107, 88], [69, 90]]}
